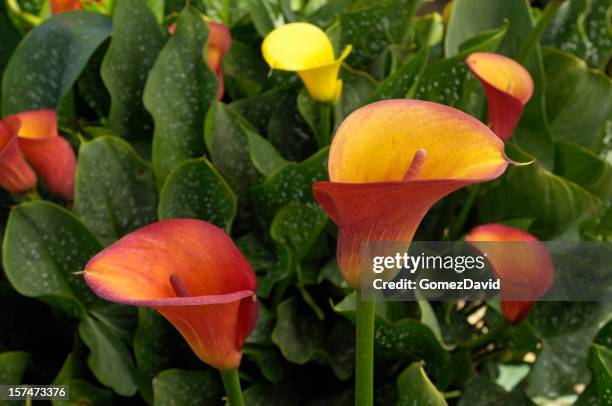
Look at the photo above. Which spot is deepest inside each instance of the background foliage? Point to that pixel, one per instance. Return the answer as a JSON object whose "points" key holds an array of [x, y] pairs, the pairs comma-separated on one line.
{"points": [[139, 107]]}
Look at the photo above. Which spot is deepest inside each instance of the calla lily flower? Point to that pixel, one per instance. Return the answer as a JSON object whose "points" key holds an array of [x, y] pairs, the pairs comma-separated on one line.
{"points": [[219, 44], [192, 273], [304, 48], [390, 161], [524, 268], [50, 154], [508, 87], [58, 6], [15, 174]]}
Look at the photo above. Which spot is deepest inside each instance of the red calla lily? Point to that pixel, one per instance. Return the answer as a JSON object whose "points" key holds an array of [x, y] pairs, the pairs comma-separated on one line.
{"points": [[58, 6], [508, 87], [525, 269], [50, 154], [193, 274], [390, 161], [15, 174]]}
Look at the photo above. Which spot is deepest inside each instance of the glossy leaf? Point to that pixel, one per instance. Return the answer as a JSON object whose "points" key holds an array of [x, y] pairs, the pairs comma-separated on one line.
{"points": [[416, 389], [115, 191], [127, 63], [196, 190], [175, 387], [49, 60], [179, 90]]}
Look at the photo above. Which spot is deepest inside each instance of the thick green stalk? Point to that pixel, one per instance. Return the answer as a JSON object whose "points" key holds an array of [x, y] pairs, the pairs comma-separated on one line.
{"points": [[534, 36], [364, 365], [323, 137], [231, 383]]}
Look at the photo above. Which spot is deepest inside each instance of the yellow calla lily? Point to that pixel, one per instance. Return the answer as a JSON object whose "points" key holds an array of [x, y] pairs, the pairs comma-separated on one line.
{"points": [[304, 48]]}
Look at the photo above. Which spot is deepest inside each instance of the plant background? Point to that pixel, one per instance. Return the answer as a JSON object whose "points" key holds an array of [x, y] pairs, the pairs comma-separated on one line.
{"points": [[247, 164]]}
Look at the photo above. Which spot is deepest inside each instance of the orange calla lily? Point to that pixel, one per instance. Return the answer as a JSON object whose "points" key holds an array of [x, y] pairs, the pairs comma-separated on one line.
{"points": [[219, 43], [58, 6], [525, 269], [390, 161], [508, 87], [15, 174], [50, 154], [193, 274]]}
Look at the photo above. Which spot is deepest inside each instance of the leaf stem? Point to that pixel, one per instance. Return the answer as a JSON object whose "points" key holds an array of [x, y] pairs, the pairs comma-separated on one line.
{"points": [[323, 138], [225, 12], [534, 36], [457, 226], [231, 383], [364, 365]]}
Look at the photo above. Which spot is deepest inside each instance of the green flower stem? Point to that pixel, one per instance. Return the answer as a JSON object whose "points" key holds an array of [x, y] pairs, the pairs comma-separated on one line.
{"points": [[534, 36], [323, 137], [457, 226], [482, 341], [364, 368], [231, 383], [225, 12]]}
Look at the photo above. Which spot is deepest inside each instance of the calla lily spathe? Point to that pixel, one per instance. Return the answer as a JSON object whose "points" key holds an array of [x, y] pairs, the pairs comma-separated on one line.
{"points": [[34, 135], [193, 274], [306, 49], [520, 261], [219, 44], [390, 161], [58, 6], [508, 87]]}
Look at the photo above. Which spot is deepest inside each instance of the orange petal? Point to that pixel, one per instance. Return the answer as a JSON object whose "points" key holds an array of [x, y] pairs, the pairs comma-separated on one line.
{"points": [[193, 274], [15, 174], [219, 43], [508, 87], [520, 261], [35, 124], [390, 162], [54, 160], [57, 6]]}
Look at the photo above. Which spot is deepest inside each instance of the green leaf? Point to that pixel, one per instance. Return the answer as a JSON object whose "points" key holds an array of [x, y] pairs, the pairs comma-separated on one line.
{"points": [[480, 391], [127, 63], [49, 60], [268, 360], [227, 143], [566, 331], [109, 358], [398, 84], [157, 7], [292, 184], [13, 365], [196, 190], [175, 387], [374, 27], [264, 156], [297, 227], [157, 347], [415, 388], [115, 191], [244, 70], [44, 246], [600, 360], [446, 81], [178, 93], [84, 393], [469, 18], [403, 338], [259, 109], [357, 86], [265, 15], [579, 100], [584, 168], [558, 206], [301, 338]]}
